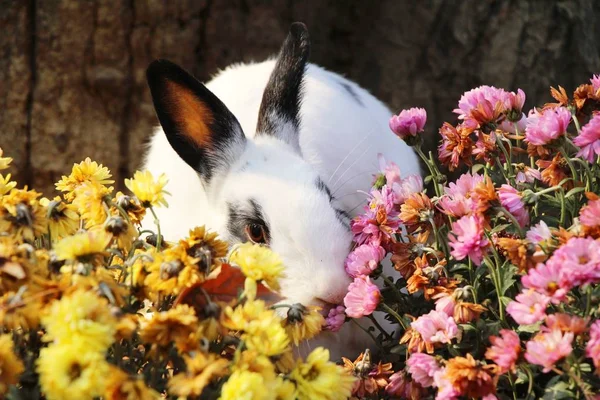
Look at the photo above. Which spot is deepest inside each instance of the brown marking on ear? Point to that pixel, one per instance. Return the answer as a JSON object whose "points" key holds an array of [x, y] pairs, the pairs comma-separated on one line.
{"points": [[190, 113]]}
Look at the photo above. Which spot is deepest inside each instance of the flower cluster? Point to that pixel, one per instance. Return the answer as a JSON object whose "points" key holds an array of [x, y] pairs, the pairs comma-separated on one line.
{"points": [[92, 306], [496, 286]]}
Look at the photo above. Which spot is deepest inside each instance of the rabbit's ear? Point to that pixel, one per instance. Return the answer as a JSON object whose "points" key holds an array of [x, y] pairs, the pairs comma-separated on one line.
{"points": [[199, 127], [280, 107]]}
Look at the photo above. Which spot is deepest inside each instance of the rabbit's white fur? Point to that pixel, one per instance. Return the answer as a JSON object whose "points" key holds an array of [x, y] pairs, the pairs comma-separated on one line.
{"points": [[343, 128]]}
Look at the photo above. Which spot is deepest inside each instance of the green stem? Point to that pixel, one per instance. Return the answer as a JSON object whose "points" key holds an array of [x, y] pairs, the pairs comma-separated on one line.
{"points": [[157, 223], [392, 285], [368, 332], [563, 207], [512, 385], [432, 170], [568, 160], [389, 310], [496, 282], [513, 220], [588, 300], [508, 159], [383, 331]]}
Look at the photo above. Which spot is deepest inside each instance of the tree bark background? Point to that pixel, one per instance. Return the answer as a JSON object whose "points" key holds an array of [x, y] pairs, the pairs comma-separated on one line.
{"points": [[72, 73]]}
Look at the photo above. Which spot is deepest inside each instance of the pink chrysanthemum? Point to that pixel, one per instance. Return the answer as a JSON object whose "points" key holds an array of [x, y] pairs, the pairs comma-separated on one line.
{"points": [[362, 298], [528, 175], [505, 350], [364, 259], [542, 128], [406, 187], [478, 106], [422, 368], [390, 170], [457, 201], [546, 279], [595, 81], [592, 349], [539, 234], [512, 127], [436, 327], [529, 307], [446, 390], [335, 319], [589, 215], [399, 385], [546, 348], [589, 139], [511, 199], [408, 122], [445, 303], [467, 239], [380, 220], [579, 262]]}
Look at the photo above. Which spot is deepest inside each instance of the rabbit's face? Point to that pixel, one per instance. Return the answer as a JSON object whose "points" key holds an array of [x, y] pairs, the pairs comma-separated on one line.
{"points": [[261, 189], [272, 196]]}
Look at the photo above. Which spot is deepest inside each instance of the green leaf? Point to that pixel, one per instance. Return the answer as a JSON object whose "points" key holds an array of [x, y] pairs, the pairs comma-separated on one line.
{"points": [[585, 367], [574, 191], [557, 390], [505, 300], [531, 328], [459, 267], [500, 228], [507, 273]]}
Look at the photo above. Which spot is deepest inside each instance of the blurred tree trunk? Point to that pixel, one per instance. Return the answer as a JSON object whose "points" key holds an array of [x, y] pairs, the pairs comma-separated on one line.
{"points": [[72, 80]]}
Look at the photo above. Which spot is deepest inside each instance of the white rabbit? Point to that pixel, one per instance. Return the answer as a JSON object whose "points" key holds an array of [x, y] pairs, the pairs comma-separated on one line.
{"points": [[274, 152]]}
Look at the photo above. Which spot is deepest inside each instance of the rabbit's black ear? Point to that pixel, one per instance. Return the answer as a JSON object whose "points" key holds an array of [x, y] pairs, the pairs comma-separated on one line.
{"points": [[279, 113], [199, 127]]}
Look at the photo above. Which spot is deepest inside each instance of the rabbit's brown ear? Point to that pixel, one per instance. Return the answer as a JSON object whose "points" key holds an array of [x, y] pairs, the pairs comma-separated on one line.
{"points": [[199, 127], [279, 113]]}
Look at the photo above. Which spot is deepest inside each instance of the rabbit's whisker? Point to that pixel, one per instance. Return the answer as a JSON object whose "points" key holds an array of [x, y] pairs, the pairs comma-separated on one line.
{"points": [[348, 155]]}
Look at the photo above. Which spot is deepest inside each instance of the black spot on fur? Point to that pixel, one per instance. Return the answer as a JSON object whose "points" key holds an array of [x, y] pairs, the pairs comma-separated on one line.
{"points": [[352, 93], [323, 188], [243, 214], [343, 217], [282, 95]]}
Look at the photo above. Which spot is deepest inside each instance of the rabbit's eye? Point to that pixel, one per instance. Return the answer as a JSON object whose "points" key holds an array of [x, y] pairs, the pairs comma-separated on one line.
{"points": [[256, 233]]}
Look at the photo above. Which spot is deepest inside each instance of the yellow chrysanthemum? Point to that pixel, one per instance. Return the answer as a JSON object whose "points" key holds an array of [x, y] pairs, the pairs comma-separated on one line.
{"points": [[82, 246], [72, 371], [13, 271], [303, 323], [81, 316], [6, 185], [320, 379], [201, 370], [121, 386], [253, 361], [147, 190], [267, 336], [4, 161], [123, 233], [10, 365], [21, 215], [86, 171], [88, 198], [283, 389], [258, 263], [261, 327], [204, 246], [168, 274], [177, 325], [63, 219], [132, 206], [245, 385], [19, 312]]}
